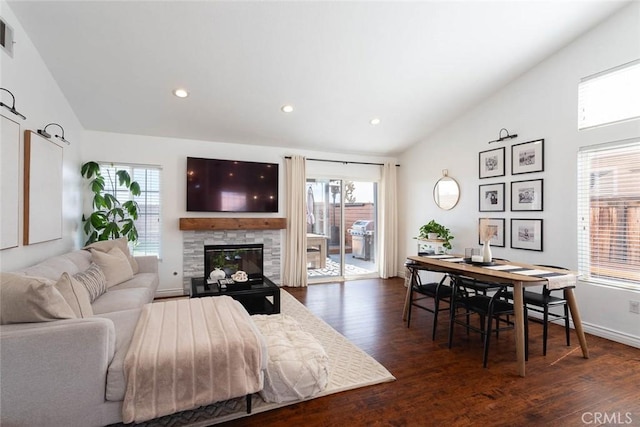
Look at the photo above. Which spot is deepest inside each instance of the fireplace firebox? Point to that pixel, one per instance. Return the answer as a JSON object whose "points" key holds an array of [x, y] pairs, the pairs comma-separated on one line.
{"points": [[232, 258]]}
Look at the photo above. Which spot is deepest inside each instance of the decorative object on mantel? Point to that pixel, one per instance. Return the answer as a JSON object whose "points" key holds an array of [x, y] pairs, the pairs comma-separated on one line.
{"points": [[433, 230], [43, 132], [13, 104], [110, 219], [487, 232], [504, 138], [194, 224]]}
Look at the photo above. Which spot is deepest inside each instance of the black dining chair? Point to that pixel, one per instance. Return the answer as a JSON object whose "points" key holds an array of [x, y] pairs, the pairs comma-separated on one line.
{"points": [[438, 292], [484, 299], [541, 302]]}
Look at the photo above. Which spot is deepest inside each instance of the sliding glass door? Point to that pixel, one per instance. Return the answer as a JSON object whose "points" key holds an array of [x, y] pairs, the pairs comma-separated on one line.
{"points": [[341, 229]]}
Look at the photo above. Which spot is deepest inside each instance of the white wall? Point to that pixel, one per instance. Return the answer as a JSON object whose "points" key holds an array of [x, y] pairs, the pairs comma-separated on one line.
{"points": [[540, 104], [172, 153], [39, 98]]}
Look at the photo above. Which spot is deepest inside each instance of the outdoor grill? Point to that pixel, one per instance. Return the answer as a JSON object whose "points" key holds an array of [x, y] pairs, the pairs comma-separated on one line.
{"points": [[362, 242]]}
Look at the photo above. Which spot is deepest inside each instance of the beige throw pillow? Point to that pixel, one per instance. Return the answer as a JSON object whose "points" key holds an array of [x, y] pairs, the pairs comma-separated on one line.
{"points": [[31, 299], [75, 294], [122, 243], [94, 281], [114, 264]]}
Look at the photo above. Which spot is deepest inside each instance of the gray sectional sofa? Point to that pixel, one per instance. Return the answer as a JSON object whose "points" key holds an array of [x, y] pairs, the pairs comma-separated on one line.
{"points": [[69, 372]]}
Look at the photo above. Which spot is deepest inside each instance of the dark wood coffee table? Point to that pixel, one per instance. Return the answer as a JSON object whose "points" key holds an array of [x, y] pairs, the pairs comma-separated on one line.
{"points": [[260, 297]]}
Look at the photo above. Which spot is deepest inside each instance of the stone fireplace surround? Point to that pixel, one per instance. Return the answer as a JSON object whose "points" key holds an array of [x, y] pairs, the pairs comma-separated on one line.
{"points": [[193, 243]]}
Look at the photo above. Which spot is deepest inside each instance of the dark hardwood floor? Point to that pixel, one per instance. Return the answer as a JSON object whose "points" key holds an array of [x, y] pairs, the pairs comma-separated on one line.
{"points": [[437, 386]]}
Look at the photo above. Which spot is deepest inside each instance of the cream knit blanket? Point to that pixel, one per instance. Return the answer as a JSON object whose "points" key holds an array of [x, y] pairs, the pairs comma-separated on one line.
{"points": [[190, 353]]}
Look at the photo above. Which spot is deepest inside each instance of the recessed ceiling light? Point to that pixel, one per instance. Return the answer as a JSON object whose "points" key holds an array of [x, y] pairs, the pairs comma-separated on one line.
{"points": [[287, 108], [375, 121], [181, 93]]}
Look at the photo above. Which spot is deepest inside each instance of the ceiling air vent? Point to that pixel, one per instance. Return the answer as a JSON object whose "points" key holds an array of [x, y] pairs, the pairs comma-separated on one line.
{"points": [[6, 37]]}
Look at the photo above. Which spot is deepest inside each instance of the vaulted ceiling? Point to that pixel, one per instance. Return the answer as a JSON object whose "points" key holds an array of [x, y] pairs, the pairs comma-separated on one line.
{"points": [[412, 65]]}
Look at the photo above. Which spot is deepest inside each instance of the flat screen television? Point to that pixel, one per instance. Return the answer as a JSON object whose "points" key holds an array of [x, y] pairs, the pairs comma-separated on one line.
{"points": [[215, 185]]}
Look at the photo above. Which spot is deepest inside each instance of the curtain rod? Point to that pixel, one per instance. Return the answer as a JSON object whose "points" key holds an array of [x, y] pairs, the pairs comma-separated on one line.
{"points": [[343, 161]]}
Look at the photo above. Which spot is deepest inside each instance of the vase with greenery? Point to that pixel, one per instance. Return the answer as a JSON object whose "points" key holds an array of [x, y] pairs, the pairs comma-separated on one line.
{"points": [[442, 232], [111, 218]]}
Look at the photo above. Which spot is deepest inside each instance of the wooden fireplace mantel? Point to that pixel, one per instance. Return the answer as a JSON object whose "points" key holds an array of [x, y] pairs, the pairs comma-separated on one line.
{"points": [[233, 223]]}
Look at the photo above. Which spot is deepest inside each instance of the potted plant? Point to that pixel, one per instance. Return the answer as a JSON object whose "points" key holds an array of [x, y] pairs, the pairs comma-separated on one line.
{"points": [[110, 218], [434, 230]]}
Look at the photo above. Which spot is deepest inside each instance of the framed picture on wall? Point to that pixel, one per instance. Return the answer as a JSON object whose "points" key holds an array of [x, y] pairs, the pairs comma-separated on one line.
{"points": [[527, 195], [491, 197], [526, 234], [496, 228], [527, 157], [492, 163]]}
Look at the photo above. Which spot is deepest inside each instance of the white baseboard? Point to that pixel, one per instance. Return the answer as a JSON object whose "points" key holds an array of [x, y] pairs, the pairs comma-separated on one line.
{"points": [[610, 334]]}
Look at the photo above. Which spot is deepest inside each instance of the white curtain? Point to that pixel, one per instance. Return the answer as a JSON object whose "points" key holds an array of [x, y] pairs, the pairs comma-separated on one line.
{"points": [[295, 254], [388, 230]]}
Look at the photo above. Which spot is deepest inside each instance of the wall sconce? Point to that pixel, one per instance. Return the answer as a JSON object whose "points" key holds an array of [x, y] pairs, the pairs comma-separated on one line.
{"points": [[503, 138], [44, 133], [13, 106]]}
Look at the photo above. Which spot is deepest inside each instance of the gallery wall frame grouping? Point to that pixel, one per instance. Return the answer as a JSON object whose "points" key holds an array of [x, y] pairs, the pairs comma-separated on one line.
{"points": [[525, 195]]}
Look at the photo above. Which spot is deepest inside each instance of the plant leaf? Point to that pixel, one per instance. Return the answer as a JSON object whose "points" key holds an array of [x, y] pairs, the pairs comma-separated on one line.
{"points": [[97, 185], [90, 169], [110, 200], [132, 208], [119, 212], [124, 178], [135, 188], [98, 220], [98, 202]]}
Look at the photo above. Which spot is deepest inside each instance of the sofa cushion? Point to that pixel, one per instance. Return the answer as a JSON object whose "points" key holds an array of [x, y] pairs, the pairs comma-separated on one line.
{"points": [[93, 280], [122, 299], [125, 324], [140, 280], [31, 299], [114, 264], [75, 294], [121, 243]]}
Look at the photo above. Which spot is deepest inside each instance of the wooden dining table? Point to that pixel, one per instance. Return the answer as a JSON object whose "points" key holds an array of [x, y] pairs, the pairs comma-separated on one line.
{"points": [[519, 282]]}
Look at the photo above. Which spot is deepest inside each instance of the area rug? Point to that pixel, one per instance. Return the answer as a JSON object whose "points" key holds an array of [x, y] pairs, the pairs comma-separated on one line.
{"points": [[350, 368]]}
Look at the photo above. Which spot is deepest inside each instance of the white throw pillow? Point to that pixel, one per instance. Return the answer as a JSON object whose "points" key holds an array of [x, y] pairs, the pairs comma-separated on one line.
{"points": [[114, 264], [75, 294], [122, 243], [93, 280], [26, 299]]}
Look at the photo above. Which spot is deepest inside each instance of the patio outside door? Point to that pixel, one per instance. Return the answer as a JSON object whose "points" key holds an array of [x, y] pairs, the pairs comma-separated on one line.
{"points": [[341, 225]]}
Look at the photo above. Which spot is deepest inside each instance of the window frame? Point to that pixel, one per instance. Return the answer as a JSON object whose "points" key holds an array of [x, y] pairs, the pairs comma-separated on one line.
{"points": [[130, 167], [589, 86], [587, 199]]}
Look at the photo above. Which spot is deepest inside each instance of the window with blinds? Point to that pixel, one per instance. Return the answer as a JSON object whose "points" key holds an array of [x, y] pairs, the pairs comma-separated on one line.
{"points": [[148, 222], [609, 213], [610, 96]]}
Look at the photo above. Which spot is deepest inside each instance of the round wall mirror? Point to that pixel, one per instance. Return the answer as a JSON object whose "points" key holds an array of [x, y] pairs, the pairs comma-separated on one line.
{"points": [[446, 193]]}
